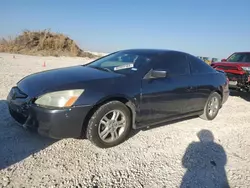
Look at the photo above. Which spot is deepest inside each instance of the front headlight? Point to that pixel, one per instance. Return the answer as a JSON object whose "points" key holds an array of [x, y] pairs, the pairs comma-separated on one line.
{"points": [[246, 68], [64, 98]]}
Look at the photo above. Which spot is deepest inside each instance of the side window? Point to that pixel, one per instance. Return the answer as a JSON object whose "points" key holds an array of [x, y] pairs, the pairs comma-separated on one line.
{"points": [[198, 66], [173, 63]]}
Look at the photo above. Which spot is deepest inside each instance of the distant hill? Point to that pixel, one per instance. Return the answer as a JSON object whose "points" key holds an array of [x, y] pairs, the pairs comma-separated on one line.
{"points": [[44, 43]]}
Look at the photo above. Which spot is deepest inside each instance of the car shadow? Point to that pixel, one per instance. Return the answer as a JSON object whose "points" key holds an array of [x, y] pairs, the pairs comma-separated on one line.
{"points": [[16, 143], [241, 94], [205, 163]]}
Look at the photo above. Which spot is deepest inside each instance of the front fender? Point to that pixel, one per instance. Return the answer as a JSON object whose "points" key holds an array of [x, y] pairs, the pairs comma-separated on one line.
{"points": [[131, 103]]}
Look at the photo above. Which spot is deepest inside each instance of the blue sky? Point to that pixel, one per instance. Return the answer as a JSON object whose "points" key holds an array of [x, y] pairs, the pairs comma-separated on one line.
{"points": [[214, 28]]}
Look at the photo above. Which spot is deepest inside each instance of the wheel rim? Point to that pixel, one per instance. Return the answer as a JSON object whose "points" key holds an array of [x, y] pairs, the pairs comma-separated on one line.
{"points": [[213, 106], [112, 126]]}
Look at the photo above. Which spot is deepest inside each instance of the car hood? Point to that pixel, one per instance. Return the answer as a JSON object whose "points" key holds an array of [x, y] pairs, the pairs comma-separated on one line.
{"points": [[62, 78], [241, 64]]}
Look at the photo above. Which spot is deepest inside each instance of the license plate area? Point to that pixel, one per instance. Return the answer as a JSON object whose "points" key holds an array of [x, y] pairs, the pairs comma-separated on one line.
{"points": [[233, 83]]}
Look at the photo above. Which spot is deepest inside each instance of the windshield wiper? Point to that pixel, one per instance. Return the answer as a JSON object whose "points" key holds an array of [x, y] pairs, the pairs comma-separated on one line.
{"points": [[102, 68]]}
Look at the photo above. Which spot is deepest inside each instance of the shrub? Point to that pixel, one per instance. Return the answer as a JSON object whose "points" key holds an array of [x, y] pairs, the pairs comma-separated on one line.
{"points": [[43, 43]]}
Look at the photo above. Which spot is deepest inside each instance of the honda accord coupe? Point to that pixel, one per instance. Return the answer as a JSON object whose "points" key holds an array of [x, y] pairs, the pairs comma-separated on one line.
{"points": [[108, 97]]}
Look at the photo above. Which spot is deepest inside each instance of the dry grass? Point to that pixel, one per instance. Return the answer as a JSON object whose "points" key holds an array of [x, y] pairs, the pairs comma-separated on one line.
{"points": [[44, 43]]}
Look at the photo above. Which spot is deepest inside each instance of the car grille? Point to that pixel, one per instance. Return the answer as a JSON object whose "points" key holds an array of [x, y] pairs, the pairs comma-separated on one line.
{"points": [[238, 77], [16, 93], [20, 118], [18, 104]]}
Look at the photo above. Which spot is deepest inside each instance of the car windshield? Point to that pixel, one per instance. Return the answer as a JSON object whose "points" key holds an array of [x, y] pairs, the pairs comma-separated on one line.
{"points": [[239, 57], [122, 62]]}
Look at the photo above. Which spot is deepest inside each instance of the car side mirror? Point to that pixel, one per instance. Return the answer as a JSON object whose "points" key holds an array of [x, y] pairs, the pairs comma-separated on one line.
{"points": [[158, 74], [223, 60]]}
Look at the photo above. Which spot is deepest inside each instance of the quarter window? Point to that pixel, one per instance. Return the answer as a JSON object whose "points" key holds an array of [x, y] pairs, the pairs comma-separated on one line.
{"points": [[198, 66]]}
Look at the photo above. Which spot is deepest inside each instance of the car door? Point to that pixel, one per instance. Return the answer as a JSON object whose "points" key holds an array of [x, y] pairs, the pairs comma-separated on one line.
{"points": [[201, 80], [164, 97]]}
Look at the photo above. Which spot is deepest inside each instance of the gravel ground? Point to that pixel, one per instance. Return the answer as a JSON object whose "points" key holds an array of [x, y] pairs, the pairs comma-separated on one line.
{"points": [[166, 156]]}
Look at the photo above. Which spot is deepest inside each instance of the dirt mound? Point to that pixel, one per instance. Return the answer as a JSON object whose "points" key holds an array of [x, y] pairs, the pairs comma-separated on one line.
{"points": [[43, 43]]}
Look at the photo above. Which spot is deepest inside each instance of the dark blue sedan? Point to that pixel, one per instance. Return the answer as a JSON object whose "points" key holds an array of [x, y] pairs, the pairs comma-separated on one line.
{"points": [[129, 89]]}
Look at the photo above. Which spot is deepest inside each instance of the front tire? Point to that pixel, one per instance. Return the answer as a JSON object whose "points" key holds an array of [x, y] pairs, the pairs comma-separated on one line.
{"points": [[212, 107], [109, 125]]}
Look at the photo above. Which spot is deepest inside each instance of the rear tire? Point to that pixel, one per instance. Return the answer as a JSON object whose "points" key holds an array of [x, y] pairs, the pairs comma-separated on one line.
{"points": [[212, 107], [109, 125]]}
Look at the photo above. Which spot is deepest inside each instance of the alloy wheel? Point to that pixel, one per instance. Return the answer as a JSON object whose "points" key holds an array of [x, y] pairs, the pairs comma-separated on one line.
{"points": [[112, 126], [213, 106]]}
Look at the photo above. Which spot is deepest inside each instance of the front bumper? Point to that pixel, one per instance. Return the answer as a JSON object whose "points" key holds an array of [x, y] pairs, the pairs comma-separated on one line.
{"points": [[54, 123], [225, 97], [239, 80]]}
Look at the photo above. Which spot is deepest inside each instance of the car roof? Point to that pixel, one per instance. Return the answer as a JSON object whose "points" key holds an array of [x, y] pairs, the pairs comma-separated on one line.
{"points": [[149, 51], [242, 52]]}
